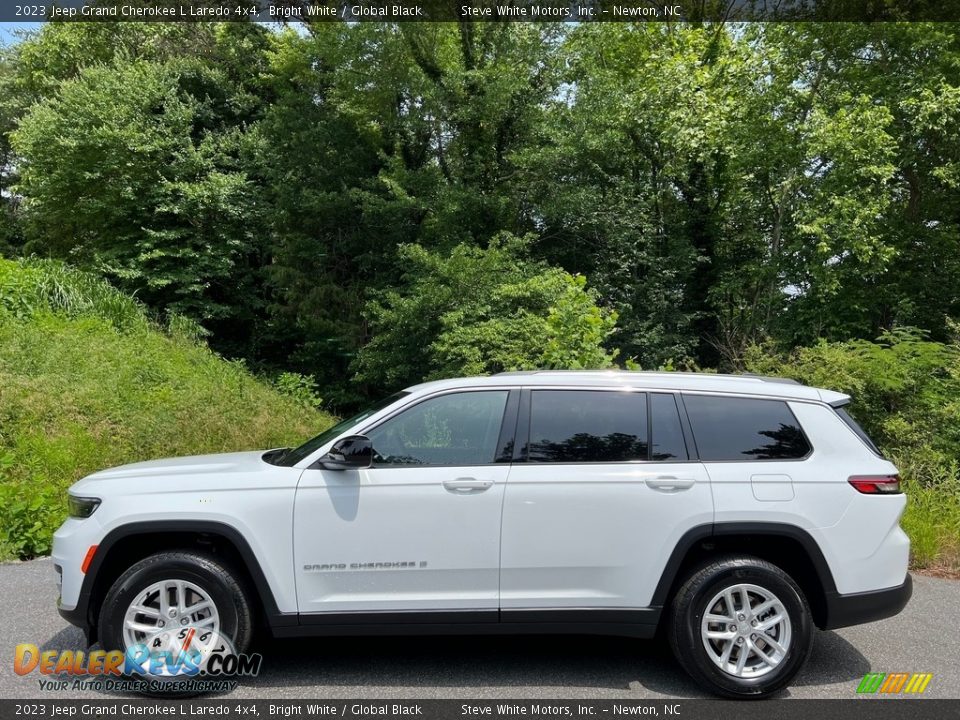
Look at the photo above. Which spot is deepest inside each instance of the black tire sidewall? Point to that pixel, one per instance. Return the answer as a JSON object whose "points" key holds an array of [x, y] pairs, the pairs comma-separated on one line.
{"points": [[693, 606]]}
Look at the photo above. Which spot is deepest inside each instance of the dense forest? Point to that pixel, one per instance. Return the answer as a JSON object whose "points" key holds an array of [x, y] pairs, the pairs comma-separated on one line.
{"points": [[369, 204], [363, 206]]}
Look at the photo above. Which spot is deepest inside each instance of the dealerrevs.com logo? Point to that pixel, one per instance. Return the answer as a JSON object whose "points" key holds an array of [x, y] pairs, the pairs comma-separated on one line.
{"points": [[894, 683], [188, 659]]}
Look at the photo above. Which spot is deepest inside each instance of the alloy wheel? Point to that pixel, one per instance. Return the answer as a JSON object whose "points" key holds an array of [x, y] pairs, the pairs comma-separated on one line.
{"points": [[746, 631]]}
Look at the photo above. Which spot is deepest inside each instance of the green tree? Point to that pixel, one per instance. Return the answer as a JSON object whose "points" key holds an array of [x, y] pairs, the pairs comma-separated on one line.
{"points": [[132, 142], [479, 311], [382, 136], [629, 170], [913, 70], [10, 234], [134, 171], [717, 187]]}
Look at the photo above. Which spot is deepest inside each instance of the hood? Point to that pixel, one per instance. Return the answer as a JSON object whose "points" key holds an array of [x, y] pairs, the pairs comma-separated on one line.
{"points": [[193, 465]]}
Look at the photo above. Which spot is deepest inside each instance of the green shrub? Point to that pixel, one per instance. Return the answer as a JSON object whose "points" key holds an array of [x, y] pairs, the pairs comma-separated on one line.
{"points": [[476, 311], [86, 382], [932, 518], [302, 388]]}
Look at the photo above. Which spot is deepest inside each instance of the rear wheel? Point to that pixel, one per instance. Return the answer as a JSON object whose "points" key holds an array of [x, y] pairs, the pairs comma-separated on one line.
{"points": [[741, 627]]}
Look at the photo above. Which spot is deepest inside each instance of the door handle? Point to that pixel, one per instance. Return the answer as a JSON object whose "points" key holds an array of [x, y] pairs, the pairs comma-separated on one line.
{"points": [[467, 485], [669, 483]]}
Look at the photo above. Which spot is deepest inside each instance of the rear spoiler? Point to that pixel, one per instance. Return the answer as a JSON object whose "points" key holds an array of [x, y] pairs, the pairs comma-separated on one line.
{"points": [[834, 399]]}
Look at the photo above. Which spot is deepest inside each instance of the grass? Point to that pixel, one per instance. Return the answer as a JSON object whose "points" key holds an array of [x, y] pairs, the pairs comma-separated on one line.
{"points": [[932, 520], [88, 382]]}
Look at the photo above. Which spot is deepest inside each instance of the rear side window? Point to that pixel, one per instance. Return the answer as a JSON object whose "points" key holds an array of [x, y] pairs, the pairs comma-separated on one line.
{"points": [[666, 434], [730, 428], [588, 426], [855, 426]]}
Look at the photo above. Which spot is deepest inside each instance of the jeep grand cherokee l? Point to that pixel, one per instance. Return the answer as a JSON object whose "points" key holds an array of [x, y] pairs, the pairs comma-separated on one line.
{"points": [[735, 513]]}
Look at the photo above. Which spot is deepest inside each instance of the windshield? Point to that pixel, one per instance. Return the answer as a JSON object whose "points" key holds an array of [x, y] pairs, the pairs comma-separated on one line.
{"points": [[310, 446]]}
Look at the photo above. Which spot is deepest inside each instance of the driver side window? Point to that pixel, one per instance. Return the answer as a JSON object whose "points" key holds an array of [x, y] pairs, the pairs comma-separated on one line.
{"points": [[455, 429]]}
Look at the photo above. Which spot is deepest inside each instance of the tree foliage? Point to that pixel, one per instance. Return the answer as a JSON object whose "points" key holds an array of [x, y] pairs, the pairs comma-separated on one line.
{"points": [[478, 311], [712, 186]]}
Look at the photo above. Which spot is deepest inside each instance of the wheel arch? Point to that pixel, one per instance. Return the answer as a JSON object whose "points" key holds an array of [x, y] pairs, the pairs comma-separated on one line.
{"points": [[789, 547], [127, 544]]}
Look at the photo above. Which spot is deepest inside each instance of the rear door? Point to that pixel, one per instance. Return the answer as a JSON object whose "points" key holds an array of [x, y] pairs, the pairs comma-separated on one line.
{"points": [[785, 462], [600, 491], [754, 451]]}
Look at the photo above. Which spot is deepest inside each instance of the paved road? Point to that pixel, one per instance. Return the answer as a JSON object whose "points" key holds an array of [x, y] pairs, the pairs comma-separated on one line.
{"points": [[924, 638]]}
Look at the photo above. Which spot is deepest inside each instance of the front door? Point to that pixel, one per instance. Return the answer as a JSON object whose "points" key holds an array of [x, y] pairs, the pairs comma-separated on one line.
{"points": [[420, 529]]}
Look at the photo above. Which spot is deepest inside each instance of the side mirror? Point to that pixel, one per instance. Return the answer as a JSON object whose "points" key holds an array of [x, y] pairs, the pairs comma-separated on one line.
{"points": [[350, 453]]}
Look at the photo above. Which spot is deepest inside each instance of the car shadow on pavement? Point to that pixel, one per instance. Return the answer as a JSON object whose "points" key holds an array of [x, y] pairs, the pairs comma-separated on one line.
{"points": [[833, 659], [69, 638], [552, 664], [441, 666], [465, 663]]}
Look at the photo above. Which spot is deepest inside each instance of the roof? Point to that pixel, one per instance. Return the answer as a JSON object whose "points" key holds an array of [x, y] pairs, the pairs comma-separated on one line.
{"points": [[705, 382]]}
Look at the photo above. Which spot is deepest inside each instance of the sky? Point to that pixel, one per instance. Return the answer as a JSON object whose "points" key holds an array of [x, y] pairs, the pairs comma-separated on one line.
{"points": [[8, 30]]}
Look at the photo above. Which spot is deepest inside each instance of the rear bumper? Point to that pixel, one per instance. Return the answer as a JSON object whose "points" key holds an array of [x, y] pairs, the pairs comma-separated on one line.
{"points": [[864, 607]]}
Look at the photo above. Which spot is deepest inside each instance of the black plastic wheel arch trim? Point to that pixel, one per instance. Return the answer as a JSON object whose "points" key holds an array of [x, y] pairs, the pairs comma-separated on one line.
{"points": [[702, 533]]}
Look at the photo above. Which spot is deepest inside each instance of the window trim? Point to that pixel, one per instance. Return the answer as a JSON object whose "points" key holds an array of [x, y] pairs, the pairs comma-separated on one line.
{"points": [[810, 451], [508, 429], [504, 421], [683, 429]]}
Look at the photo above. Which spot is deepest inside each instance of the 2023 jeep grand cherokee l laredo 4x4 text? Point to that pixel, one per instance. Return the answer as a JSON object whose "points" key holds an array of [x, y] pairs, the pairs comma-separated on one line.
{"points": [[736, 513]]}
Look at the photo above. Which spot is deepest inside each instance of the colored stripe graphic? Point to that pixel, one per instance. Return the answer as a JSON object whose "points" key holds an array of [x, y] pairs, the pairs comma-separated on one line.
{"points": [[893, 683], [871, 682], [918, 683]]}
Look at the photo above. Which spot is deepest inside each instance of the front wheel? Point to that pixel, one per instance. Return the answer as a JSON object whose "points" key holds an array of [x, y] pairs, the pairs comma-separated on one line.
{"points": [[174, 603], [741, 627]]}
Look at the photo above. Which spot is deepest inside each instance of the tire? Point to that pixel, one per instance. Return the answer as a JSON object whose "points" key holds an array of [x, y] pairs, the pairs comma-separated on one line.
{"points": [[208, 582], [766, 667]]}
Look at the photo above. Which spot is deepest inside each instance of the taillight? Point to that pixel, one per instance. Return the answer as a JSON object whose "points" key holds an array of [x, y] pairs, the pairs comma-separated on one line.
{"points": [[876, 484]]}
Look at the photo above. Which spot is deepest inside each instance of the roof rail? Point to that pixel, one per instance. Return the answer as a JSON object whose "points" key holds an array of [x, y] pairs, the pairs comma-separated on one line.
{"points": [[709, 376], [773, 379]]}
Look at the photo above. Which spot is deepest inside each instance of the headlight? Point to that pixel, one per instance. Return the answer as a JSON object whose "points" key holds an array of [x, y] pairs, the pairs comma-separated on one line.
{"points": [[82, 507]]}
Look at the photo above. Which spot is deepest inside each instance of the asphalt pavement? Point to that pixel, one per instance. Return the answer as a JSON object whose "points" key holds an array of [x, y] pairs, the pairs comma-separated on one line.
{"points": [[924, 638]]}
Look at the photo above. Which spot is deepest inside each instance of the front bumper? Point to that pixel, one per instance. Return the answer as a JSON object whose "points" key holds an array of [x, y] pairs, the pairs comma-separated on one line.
{"points": [[78, 617], [70, 545], [864, 607]]}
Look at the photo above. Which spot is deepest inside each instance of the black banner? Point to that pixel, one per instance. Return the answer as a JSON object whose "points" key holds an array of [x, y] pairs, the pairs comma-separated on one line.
{"points": [[574, 11], [854, 709]]}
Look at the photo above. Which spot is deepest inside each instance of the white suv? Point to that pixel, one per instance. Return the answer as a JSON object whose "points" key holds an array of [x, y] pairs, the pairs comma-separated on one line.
{"points": [[734, 513]]}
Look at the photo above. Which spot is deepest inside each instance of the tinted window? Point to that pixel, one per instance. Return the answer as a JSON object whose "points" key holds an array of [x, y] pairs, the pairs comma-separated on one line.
{"points": [[455, 429], [666, 435], [727, 428], [587, 426], [855, 426]]}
